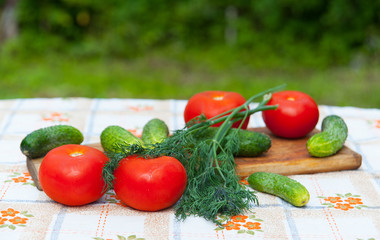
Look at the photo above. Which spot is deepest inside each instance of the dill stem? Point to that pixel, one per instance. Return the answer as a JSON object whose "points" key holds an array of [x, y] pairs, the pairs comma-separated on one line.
{"points": [[220, 134], [249, 101], [229, 119]]}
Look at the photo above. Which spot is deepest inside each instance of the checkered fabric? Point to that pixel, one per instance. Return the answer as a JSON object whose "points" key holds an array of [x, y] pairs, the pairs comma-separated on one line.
{"points": [[343, 204]]}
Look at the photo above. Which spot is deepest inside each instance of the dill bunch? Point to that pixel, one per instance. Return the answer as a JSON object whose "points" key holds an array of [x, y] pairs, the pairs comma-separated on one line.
{"points": [[213, 186]]}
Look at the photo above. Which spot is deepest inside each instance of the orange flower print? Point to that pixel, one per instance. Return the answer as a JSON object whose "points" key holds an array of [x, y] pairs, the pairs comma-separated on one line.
{"points": [[134, 132], [344, 206], [20, 180], [18, 220], [232, 226], [56, 117], [344, 202], [239, 218], [9, 212], [377, 124], [252, 225], [353, 201], [23, 178], [141, 108], [244, 182], [333, 199], [240, 223], [3, 220]]}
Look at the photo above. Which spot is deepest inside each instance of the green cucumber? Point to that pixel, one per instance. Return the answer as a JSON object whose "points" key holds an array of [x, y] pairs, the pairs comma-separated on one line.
{"points": [[251, 143], [331, 138], [39, 142], [281, 186], [154, 131], [114, 138]]}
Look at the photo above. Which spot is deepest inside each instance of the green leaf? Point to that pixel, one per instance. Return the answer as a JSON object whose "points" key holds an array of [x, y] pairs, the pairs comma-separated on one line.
{"points": [[28, 215], [98, 238], [3, 225], [8, 181], [339, 195], [140, 238], [131, 237], [258, 219], [251, 232], [321, 197], [252, 217], [121, 237], [12, 227], [241, 231], [348, 195], [356, 195], [218, 229]]}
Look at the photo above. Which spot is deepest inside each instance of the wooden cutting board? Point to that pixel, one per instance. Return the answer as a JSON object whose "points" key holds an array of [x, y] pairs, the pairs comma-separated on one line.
{"points": [[286, 156], [290, 157]]}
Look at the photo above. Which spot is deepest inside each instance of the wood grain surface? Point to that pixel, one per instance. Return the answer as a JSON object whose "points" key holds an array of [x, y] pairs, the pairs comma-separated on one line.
{"points": [[290, 157], [286, 156]]}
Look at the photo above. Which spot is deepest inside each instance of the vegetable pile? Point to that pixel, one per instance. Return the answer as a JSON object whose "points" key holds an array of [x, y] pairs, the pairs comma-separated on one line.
{"points": [[213, 186], [194, 167]]}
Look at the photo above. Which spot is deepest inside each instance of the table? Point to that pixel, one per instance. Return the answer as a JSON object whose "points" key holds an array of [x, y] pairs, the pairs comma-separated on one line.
{"points": [[343, 204]]}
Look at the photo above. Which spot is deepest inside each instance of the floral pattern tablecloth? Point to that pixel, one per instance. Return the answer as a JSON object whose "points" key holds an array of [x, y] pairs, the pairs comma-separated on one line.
{"points": [[343, 204]]}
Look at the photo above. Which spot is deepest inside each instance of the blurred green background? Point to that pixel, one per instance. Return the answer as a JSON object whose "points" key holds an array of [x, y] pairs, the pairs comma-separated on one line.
{"points": [[165, 49]]}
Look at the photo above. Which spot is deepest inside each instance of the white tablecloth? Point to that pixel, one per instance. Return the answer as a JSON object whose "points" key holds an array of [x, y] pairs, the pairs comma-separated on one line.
{"points": [[343, 204]]}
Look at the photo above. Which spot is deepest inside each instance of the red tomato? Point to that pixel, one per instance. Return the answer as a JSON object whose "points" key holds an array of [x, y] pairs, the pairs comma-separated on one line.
{"points": [[296, 115], [213, 103], [72, 174], [150, 184]]}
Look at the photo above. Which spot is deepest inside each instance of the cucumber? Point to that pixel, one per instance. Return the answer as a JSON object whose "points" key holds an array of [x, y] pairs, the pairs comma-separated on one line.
{"points": [[114, 138], [39, 142], [330, 140], [281, 186], [154, 131], [251, 143]]}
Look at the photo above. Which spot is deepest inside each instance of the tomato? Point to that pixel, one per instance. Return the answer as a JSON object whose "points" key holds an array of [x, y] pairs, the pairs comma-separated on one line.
{"points": [[213, 103], [150, 184], [72, 174], [296, 115]]}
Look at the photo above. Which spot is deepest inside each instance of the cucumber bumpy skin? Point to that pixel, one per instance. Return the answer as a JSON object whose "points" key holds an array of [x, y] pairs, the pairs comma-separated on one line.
{"points": [[114, 138], [154, 131], [39, 142], [281, 186], [330, 140], [251, 143]]}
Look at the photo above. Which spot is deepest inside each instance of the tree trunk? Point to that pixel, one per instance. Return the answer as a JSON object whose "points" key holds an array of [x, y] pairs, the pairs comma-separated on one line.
{"points": [[8, 21]]}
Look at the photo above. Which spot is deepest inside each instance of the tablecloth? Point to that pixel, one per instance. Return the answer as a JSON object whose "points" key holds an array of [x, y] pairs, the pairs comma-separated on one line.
{"points": [[343, 204]]}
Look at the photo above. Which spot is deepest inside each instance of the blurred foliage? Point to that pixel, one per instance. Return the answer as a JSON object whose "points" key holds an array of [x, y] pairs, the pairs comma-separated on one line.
{"points": [[172, 49], [317, 32]]}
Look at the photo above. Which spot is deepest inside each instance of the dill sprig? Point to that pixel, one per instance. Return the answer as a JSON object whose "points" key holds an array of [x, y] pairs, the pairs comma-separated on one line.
{"points": [[213, 186]]}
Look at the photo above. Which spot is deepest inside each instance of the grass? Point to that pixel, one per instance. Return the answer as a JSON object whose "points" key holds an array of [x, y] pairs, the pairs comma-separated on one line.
{"points": [[165, 74]]}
